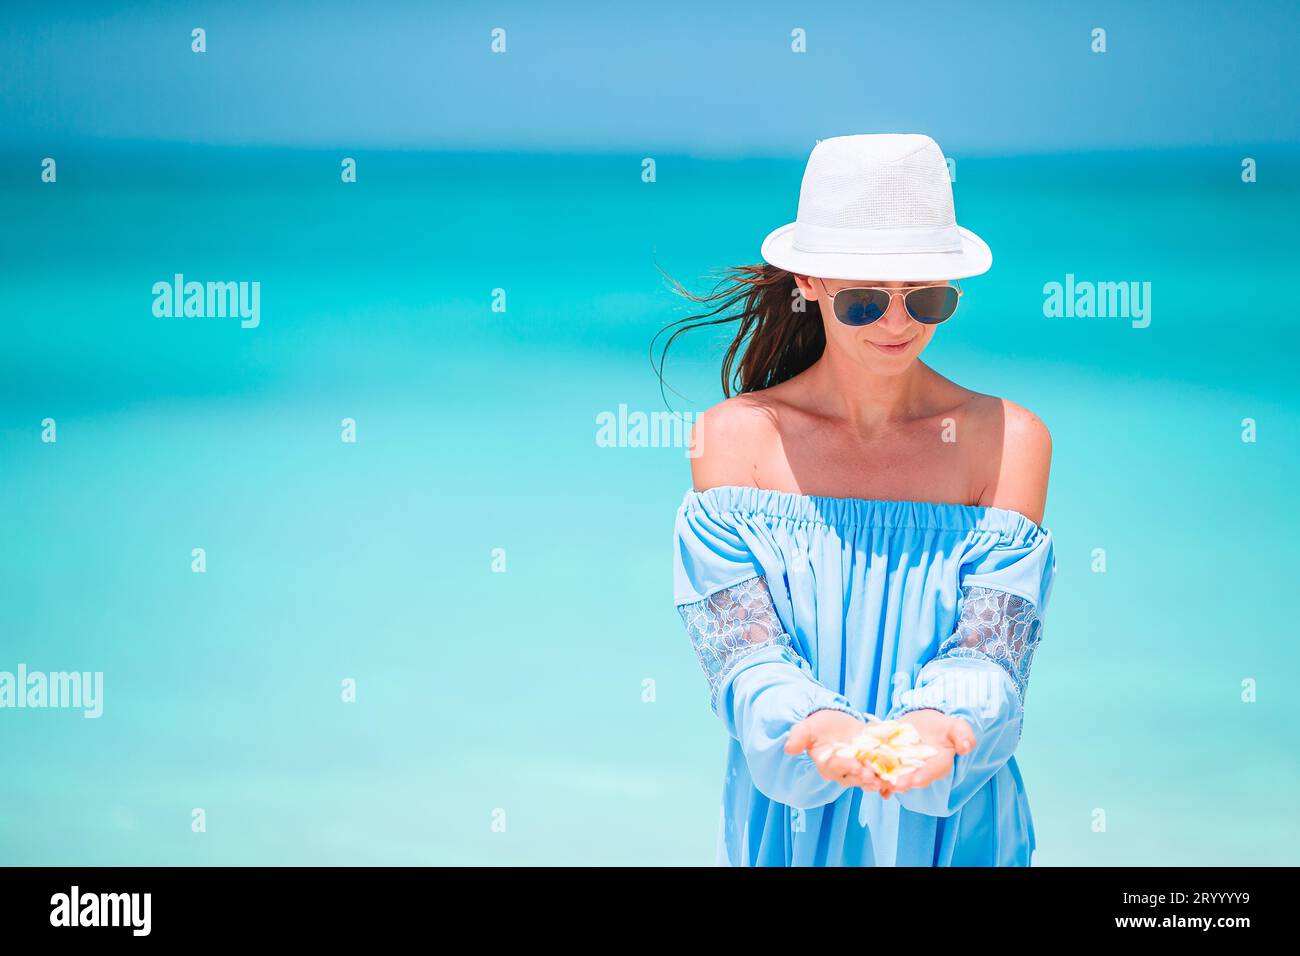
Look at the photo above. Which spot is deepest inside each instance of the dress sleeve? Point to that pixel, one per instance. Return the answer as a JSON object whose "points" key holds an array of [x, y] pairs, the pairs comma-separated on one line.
{"points": [[760, 683], [981, 670]]}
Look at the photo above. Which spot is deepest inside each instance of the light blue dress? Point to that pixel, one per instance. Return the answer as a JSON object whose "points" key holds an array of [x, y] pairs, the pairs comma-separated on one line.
{"points": [[796, 603]]}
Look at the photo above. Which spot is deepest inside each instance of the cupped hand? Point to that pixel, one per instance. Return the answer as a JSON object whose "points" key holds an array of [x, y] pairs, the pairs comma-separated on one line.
{"points": [[819, 734], [949, 736]]}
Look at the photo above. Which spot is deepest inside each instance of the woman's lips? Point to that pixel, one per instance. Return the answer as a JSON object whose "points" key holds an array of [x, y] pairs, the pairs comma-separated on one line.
{"points": [[893, 349]]}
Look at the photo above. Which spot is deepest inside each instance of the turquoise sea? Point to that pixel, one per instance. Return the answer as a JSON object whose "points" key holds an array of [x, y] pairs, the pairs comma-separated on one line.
{"points": [[505, 717]]}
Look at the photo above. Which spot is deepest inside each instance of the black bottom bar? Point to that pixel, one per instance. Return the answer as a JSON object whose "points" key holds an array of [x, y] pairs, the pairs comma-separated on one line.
{"points": [[335, 905]]}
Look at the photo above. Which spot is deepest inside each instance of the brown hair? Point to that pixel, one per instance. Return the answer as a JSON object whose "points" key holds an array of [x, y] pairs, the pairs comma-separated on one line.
{"points": [[775, 340]]}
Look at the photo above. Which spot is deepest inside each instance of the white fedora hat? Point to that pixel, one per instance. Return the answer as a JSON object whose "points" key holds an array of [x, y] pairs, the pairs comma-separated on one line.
{"points": [[877, 207]]}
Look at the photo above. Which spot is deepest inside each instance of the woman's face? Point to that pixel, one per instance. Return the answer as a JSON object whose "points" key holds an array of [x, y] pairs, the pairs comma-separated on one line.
{"points": [[887, 346]]}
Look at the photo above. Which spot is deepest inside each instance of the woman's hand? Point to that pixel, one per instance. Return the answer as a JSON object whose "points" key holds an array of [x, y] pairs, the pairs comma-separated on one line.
{"points": [[818, 734], [949, 736]]}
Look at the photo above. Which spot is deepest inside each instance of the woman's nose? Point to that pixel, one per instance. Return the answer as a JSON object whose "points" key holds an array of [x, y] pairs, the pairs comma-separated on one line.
{"points": [[896, 315]]}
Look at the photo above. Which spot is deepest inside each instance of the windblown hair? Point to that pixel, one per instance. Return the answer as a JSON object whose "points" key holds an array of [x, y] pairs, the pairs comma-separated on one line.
{"points": [[778, 333]]}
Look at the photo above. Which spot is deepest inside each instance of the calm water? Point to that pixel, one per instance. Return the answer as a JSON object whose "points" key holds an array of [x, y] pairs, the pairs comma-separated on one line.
{"points": [[520, 693]]}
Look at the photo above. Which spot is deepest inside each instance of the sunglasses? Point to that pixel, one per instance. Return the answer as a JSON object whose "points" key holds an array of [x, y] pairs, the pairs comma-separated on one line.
{"points": [[929, 304]]}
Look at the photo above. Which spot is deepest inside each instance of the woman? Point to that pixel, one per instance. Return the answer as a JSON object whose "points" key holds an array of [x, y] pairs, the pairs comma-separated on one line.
{"points": [[863, 538]]}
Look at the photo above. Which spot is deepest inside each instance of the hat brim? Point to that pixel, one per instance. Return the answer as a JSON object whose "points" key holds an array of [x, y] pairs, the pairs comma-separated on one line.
{"points": [[974, 259]]}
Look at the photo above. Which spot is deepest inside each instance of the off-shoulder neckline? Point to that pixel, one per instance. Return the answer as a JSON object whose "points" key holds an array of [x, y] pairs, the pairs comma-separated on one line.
{"points": [[885, 512]]}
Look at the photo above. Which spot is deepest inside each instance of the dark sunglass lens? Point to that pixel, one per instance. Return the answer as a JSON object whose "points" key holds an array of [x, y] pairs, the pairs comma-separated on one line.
{"points": [[860, 306], [932, 305]]}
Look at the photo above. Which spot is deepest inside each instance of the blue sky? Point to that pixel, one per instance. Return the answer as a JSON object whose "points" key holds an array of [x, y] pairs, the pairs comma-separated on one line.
{"points": [[693, 77]]}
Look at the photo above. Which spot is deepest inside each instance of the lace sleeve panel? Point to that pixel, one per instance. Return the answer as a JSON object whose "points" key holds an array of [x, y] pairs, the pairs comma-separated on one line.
{"points": [[999, 626], [730, 624]]}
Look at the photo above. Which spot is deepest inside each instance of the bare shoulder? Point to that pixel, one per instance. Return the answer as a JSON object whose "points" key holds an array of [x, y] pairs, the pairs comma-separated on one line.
{"points": [[731, 438], [1023, 432], [1016, 476]]}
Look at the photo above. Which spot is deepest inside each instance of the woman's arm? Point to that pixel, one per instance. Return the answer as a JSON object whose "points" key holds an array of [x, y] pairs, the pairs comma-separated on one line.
{"points": [[969, 701], [762, 687], [764, 692]]}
